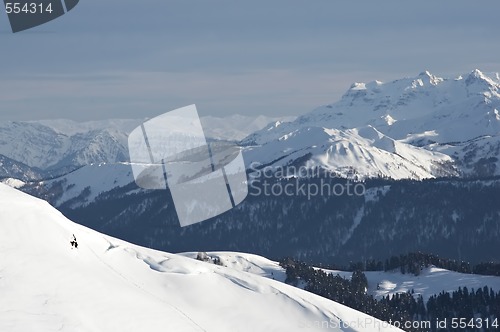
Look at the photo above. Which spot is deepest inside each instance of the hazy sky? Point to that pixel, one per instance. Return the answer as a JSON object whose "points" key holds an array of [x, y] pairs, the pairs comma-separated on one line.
{"points": [[133, 59]]}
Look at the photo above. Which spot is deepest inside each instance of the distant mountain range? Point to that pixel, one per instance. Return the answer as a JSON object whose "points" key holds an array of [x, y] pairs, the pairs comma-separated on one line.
{"points": [[390, 135], [412, 128], [63, 145], [55, 147]]}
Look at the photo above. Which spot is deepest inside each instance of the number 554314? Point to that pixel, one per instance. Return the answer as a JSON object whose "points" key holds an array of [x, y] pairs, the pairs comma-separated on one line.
{"points": [[27, 8]]}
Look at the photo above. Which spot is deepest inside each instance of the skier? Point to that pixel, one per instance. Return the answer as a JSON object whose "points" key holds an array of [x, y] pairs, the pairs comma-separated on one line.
{"points": [[74, 243]]}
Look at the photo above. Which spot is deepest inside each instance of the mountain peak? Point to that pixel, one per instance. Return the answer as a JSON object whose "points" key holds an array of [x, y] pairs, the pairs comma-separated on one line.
{"points": [[429, 78], [358, 86], [484, 82], [477, 73], [425, 73]]}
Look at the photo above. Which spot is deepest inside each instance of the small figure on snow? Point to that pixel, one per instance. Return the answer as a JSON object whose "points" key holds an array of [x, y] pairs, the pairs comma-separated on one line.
{"points": [[74, 243]]}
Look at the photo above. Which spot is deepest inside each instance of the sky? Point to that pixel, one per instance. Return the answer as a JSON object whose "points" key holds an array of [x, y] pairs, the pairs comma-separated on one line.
{"points": [[137, 59]]}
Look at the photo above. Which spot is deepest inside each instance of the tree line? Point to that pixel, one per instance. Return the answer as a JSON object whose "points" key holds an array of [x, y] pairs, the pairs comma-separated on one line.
{"points": [[474, 306], [415, 262]]}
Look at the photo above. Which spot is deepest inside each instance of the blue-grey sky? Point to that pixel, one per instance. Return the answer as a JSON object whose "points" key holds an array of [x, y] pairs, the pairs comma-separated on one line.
{"points": [[133, 59]]}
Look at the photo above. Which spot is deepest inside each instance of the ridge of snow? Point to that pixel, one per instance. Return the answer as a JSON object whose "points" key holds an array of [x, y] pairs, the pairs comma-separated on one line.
{"points": [[353, 153], [431, 281], [13, 183]]}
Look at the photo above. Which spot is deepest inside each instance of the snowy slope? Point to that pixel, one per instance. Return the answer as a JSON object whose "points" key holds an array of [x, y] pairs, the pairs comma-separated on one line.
{"points": [[479, 156], [244, 262], [88, 182], [358, 153], [110, 285], [79, 187], [431, 281], [422, 111], [14, 169], [363, 152]]}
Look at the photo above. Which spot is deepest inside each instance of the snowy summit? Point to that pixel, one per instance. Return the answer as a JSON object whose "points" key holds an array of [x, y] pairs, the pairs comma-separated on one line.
{"points": [[417, 127]]}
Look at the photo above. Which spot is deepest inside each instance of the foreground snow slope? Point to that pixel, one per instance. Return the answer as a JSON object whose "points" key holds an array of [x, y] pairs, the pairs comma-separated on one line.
{"points": [[431, 281], [110, 285]]}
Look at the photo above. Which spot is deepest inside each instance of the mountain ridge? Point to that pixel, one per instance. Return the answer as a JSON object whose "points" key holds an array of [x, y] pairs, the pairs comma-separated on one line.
{"points": [[62, 145], [425, 112]]}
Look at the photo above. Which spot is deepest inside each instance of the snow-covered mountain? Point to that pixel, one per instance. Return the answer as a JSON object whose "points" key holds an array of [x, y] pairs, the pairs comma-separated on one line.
{"points": [[353, 153], [63, 145], [457, 119], [110, 285], [418, 127], [14, 169]]}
